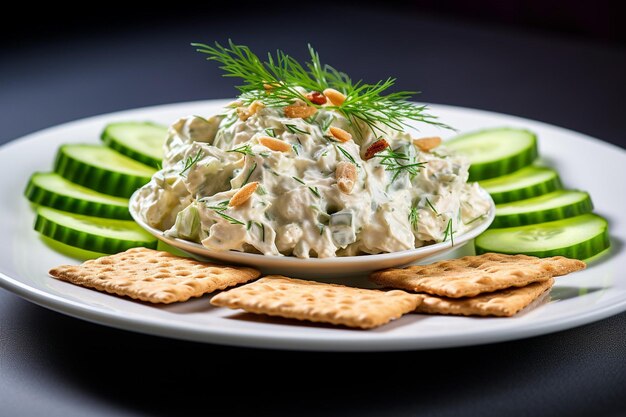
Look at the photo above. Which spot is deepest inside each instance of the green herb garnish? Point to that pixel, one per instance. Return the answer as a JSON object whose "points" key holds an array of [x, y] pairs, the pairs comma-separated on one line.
{"points": [[315, 192], [414, 217], [295, 130], [299, 180], [270, 132], [347, 155], [190, 161], [261, 227], [327, 124], [449, 232], [249, 174], [219, 210], [399, 162], [475, 219], [431, 206], [244, 150], [274, 82]]}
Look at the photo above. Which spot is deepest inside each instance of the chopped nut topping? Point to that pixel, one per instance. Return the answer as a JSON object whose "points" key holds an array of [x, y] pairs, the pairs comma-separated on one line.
{"points": [[340, 134], [374, 148], [336, 98]]}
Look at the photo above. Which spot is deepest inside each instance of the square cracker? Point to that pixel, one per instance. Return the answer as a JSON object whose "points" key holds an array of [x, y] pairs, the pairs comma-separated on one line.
{"points": [[315, 301], [153, 276], [472, 275], [503, 303]]}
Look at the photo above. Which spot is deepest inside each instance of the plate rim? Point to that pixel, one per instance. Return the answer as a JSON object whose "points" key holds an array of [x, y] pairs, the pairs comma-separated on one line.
{"points": [[187, 331]]}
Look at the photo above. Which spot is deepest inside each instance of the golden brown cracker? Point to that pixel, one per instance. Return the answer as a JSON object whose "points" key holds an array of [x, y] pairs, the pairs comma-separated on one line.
{"points": [[315, 301], [153, 276], [472, 275], [503, 303]]}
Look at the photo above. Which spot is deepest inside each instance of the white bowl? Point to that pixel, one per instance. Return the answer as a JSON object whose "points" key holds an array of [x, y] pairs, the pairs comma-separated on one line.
{"points": [[344, 266]]}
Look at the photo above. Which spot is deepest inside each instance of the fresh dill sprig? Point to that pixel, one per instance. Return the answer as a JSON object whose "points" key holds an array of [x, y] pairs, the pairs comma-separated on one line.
{"points": [[219, 210], [250, 171], [295, 130], [295, 149], [270, 132], [449, 233], [315, 191], [475, 219], [399, 162], [347, 155], [431, 206], [275, 82], [299, 180], [190, 161], [414, 217], [326, 124], [261, 227], [244, 150]]}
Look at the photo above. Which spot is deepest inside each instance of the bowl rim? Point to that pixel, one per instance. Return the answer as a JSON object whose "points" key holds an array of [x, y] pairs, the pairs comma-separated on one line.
{"points": [[252, 258]]}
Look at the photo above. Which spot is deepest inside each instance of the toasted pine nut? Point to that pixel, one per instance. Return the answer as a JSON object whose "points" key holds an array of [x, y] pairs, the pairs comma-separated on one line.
{"points": [[274, 144], [243, 194], [345, 173], [254, 107], [243, 114], [340, 134], [335, 97], [378, 146], [316, 97], [296, 111], [427, 144]]}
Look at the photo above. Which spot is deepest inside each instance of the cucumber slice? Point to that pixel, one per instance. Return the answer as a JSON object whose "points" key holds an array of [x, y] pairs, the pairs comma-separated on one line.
{"points": [[141, 141], [52, 190], [91, 233], [496, 152], [525, 183], [101, 169], [579, 237], [556, 205]]}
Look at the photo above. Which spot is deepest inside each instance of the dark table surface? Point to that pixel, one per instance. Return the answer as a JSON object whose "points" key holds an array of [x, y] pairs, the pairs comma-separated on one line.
{"points": [[55, 365]]}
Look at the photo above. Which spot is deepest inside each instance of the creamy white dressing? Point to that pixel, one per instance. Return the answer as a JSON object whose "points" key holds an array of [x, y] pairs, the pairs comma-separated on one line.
{"points": [[297, 208]]}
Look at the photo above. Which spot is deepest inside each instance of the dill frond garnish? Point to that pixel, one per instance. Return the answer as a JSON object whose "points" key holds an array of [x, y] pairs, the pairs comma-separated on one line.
{"points": [[275, 83], [244, 150], [299, 180], [295, 130], [475, 219], [219, 210], [249, 174], [449, 233], [399, 162], [326, 124], [414, 217], [315, 191], [190, 161], [347, 155], [431, 206]]}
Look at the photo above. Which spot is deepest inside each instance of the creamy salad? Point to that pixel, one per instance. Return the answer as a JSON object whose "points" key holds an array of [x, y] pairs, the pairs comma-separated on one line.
{"points": [[303, 181]]}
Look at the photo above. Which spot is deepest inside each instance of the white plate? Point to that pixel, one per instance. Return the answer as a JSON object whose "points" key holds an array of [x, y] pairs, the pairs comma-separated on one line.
{"points": [[579, 298], [349, 266]]}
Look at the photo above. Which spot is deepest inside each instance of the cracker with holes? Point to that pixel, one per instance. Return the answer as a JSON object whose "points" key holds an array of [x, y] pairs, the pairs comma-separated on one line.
{"points": [[503, 303], [473, 275], [314, 301], [153, 276]]}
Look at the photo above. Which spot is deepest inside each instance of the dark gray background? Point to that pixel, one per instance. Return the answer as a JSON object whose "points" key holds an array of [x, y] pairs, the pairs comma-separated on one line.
{"points": [[54, 365]]}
